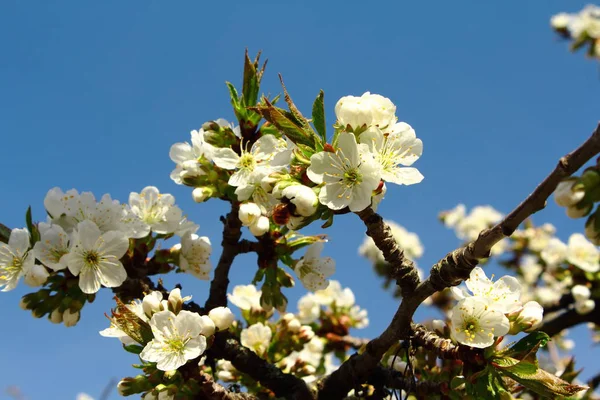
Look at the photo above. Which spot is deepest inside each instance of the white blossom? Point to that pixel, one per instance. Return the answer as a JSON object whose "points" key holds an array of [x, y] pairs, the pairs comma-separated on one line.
{"points": [[158, 211], [151, 303], [585, 307], [349, 177], [177, 339], [261, 155], [257, 338], [36, 276], [366, 110], [260, 227], [554, 253], [94, 257], [334, 294], [52, 247], [246, 297], [578, 212], [560, 20], [476, 324], [15, 259], [582, 253], [186, 156], [309, 308], [530, 268], [530, 316], [194, 256], [303, 198], [313, 270], [580, 293], [222, 317], [565, 196], [398, 146], [502, 295], [69, 318]]}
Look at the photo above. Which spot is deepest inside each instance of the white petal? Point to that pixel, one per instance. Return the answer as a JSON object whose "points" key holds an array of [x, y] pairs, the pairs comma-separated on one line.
{"points": [[225, 158]]}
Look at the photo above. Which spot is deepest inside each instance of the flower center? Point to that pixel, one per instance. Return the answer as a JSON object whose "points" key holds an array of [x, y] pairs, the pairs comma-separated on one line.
{"points": [[352, 177], [470, 327], [176, 345], [91, 258], [12, 269], [247, 162]]}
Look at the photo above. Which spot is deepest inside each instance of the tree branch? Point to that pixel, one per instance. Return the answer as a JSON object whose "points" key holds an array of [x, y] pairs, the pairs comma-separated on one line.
{"points": [[210, 390], [568, 319], [283, 385], [403, 269], [451, 271], [232, 231], [444, 348]]}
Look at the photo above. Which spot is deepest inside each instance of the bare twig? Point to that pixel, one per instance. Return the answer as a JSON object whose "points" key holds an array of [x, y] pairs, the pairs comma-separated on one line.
{"points": [[451, 271]]}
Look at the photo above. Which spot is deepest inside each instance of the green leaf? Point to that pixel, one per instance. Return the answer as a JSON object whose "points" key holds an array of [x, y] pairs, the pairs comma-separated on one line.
{"points": [[133, 348], [33, 230], [318, 116], [4, 233], [527, 345], [284, 121], [260, 274], [540, 381], [251, 84]]}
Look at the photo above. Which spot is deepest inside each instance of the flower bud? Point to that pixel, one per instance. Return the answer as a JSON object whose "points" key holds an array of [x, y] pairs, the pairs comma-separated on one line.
{"points": [[260, 227], [201, 194], [585, 307], [580, 293], [306, 333], [565, 196], [23, 304], [303, 197], [249, 213], [560, 21], [129, 386], [56, 317], [222, 317], [151, 303], [529, 318], [294, 325], [176, 301], [397, 363], [70, 318], [438, 325], [590, 229], [36, 276], [574, 212], [208, 326]]}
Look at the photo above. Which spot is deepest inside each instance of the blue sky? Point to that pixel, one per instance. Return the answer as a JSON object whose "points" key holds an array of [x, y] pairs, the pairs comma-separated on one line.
{"points": [[94, 94]]}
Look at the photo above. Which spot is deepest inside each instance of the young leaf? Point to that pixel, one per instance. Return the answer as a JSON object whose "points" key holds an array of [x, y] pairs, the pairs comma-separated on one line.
{"points": [[318, 116], [540, 381], [252, 78]]}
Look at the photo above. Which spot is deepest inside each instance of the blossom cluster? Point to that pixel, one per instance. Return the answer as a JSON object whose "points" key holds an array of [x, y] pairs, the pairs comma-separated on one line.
{"points": [[276, 178], [582, 27], [167, 336], [85, 241], [490, 310], [302, 343]]}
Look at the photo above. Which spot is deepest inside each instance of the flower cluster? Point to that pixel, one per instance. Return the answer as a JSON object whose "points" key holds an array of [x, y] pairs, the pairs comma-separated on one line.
{"points": [[582, 27], [85, 241], [468, 226], [165, 336], [301, 343], [491, 310]]}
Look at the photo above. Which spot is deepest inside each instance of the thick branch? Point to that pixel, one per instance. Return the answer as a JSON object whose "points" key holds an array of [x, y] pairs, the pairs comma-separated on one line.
{"points": [[569, 319], [246, 361], [232, 231], [403, 269], [452, 270], [444, 348], [210, 390]]}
